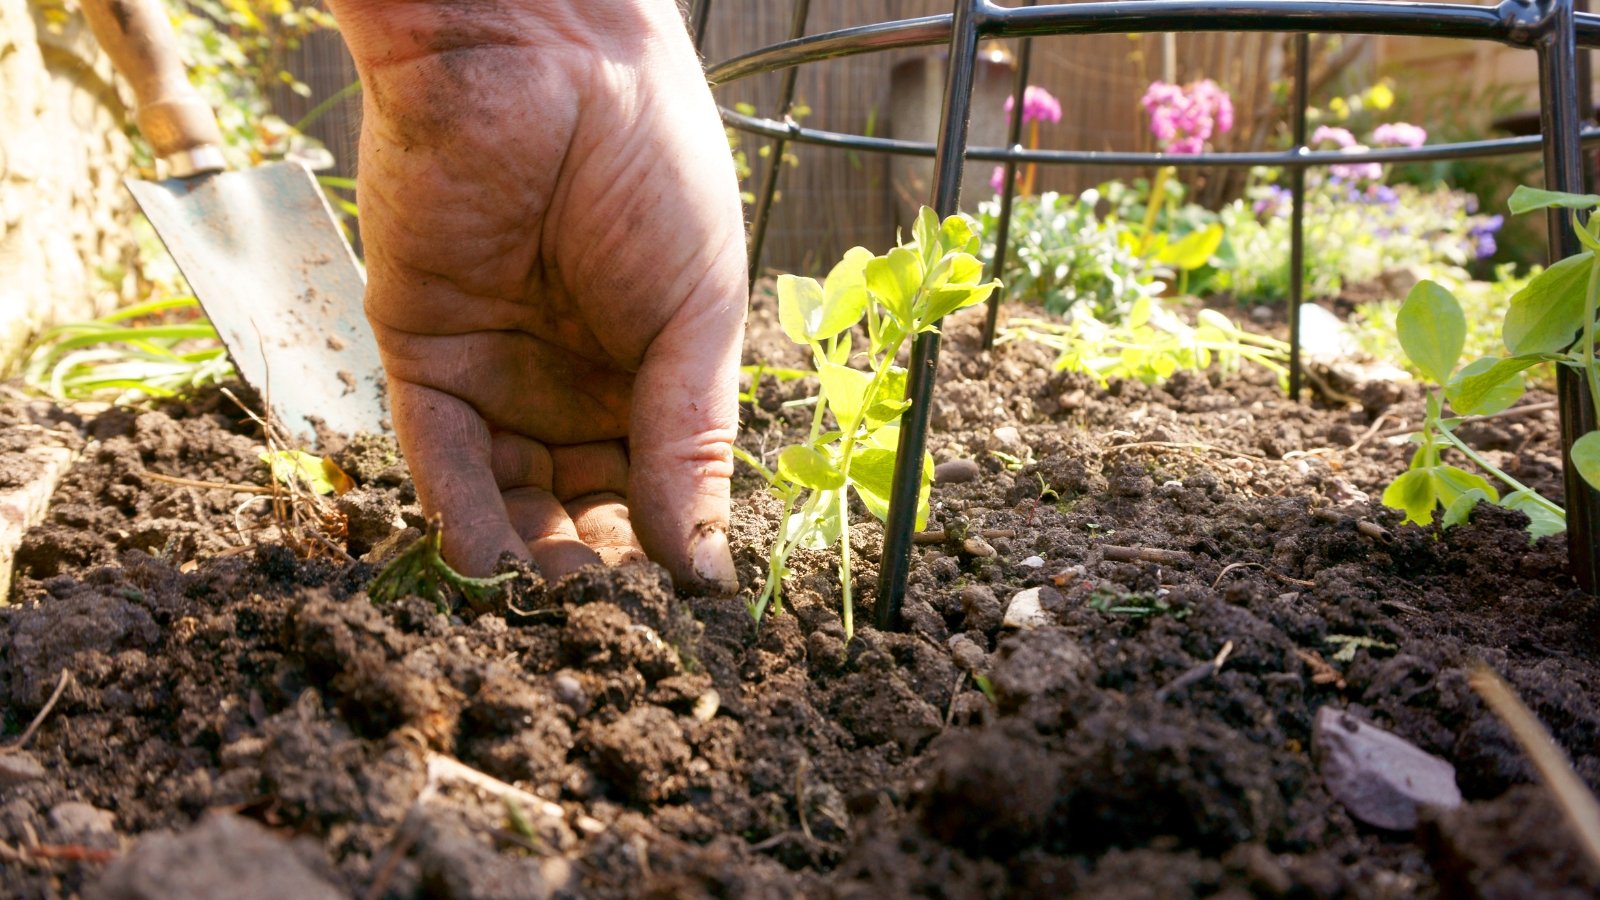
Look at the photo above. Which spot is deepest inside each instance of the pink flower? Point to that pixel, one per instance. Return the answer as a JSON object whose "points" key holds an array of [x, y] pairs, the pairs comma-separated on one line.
{"points": [[1339, 136], [1368, 171], [998, 179], [1183, 118], [1399, 134], [1037, 105], [1187, 146]]}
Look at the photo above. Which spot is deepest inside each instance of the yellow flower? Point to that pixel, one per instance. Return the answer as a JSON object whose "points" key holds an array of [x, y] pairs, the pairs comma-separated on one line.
{"points": [[1340, 108], [1381, 96]]}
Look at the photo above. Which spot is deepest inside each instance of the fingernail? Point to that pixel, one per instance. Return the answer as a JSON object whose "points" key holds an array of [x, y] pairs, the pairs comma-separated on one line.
{"points": [[712, 559]]}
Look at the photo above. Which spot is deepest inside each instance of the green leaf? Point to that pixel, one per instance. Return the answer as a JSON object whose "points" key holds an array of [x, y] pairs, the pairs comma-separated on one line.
{"points": [[888, 401], [800, 304], [1450, 482], [1526, 199], [894, 280], [845, 297], [846, 390], [809, 467], [1432, 330], [1542, 521], [1488, 385], [1413, 494], [925, 231], [1458, 511], [872, 476], [1547, 314], [1586, 236], [947, 300], [1193, 250], [957, 236], [1586, 456]]}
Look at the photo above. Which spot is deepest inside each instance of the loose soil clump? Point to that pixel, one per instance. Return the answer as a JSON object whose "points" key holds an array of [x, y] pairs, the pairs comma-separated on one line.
{"points": [[228, 708]]}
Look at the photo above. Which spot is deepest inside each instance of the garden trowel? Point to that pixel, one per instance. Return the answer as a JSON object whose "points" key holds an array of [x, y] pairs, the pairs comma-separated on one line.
{"points": [[260, 247]]}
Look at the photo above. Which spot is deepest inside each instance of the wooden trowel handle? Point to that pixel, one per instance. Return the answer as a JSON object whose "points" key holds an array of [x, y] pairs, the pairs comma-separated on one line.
{"points": [[138, 37]]}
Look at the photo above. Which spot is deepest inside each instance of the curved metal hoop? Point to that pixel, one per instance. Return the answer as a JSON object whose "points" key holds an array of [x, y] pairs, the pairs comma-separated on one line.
{"points": [[1551, 28]]}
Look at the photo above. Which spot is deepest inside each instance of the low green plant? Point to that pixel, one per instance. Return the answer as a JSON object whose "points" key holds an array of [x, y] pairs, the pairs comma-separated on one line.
{"points": [[900, 294], [1483, 303], [1432, 331], [1063, 255], [1150, 344], [159, 348], [420, 570]]}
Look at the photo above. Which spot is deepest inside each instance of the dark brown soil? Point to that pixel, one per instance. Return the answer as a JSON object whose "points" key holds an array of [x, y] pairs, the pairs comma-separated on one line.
{"points": [[259, 707]]}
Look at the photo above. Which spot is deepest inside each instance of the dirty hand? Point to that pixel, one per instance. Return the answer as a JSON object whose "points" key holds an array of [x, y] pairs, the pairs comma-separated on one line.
{"points": [[555, 254]]}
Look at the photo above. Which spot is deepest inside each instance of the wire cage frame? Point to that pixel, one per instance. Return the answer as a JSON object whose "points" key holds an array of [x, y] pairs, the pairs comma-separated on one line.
{"points": [[1554, 30]]}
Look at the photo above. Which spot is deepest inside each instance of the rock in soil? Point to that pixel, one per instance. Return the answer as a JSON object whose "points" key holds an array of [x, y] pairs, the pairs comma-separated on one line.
{"points": [[223, 856], [1381, 778]]}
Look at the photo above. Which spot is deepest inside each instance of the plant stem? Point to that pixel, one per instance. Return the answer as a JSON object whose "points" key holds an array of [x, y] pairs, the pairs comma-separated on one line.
{"points": [[1158, 193], [1591, 301], [1494, 470], [844, 562]]}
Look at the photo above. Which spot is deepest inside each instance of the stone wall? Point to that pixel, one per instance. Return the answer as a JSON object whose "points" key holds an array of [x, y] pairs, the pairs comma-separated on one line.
{"points": [[65, 220]]}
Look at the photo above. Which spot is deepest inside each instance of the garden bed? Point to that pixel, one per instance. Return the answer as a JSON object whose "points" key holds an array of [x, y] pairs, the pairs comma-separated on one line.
{"points": [[257, 706]]}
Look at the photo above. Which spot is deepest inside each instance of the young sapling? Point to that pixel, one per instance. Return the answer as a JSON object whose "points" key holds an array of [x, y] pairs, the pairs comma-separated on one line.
{"points": [[854, 435]]}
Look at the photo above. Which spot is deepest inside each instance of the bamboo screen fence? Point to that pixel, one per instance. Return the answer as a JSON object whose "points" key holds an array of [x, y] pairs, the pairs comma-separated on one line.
{"points": [[832, 200]]}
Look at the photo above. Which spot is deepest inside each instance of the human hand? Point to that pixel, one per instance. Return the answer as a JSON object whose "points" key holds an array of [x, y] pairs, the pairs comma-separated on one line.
{"points": [[555, 256]]}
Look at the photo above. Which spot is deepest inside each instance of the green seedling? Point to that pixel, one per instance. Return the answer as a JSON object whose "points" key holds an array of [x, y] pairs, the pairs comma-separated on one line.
{"points": [[1432, 331], [172, 351], [854, 437], [1135, 605], [421, 571], [762, 370], [1348, 645], [1150, 344]]}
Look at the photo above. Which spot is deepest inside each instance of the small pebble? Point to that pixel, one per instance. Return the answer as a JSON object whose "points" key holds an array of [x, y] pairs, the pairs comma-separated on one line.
{"points": [[79, 822], [569, 691], [978, 547], [1033, 562], [1025, 611], [956, 471], [706, 706], [982, 607], [19, 768], [1006, 438]]}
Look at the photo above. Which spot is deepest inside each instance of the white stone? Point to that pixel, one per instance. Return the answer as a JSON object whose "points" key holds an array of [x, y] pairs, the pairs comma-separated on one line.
{"points": [[1025, 611]]}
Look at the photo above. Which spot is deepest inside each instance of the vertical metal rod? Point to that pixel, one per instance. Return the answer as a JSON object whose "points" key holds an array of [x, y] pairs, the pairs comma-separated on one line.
{"points": [[1559, 121], [699, 15], [947, 165], [1297, 212], [1008, 192], [780, 146]]}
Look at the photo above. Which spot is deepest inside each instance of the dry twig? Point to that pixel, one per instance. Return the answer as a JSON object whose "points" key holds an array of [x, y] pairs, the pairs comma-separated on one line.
{"points": [[1555, 770], [27, 734]]}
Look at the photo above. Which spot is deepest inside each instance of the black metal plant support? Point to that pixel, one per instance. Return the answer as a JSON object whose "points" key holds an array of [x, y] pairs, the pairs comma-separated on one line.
{"points": [[1008, 191], [947, 166], [1552, 28], [779, 146]]}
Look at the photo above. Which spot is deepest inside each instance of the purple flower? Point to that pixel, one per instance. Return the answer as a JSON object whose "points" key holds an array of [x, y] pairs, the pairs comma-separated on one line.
{"points": [[1399, 134], [1272, 203], [1382, 195], [1037, 105], [1341, 137], [1482, 233]]}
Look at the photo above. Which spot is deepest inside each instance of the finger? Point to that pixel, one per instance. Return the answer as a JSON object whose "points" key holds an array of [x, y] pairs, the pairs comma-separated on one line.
{"points": [[447, 446], [519, 461], [603, 524], [550, 535], [685, 417], [582, 469]]}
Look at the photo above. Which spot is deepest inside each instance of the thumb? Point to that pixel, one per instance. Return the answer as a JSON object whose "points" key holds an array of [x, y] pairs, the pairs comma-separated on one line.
{"points": [[684, 420]]}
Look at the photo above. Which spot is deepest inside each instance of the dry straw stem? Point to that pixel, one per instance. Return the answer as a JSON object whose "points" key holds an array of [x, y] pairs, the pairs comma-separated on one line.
{"points": [[309, 523], [1574, 798]]}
